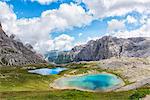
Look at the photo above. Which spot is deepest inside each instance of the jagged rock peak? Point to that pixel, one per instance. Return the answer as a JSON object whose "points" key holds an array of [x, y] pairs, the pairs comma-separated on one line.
{"points": [[107, 47]]}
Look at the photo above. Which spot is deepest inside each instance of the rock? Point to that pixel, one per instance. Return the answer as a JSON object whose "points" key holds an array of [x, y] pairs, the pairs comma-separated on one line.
{"points": [[14, 53], [29, 46], [12, 36], [146, 98], [105, 48], [135, 85], [108, 47]]}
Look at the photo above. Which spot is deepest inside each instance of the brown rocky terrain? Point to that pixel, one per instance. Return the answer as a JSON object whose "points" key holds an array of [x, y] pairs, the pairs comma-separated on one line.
{"points": [[135, 70]]}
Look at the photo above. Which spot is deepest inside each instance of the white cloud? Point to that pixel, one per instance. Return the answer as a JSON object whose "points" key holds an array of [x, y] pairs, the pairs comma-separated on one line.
{"points": [[8, 18], [145, 16], [71, 15], [131, 19], [143, 31], [116, 25], [44, 1], [36, 31], [63, 42], [92, 38], [87, 40], [104, 8]]}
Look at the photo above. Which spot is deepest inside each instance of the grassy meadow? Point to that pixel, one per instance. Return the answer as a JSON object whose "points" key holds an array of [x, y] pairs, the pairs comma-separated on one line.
{"points": [[17, 84]]}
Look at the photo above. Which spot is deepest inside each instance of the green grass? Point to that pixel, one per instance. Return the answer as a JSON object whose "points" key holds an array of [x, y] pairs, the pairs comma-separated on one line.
{"points": [[74, 95], [76, 65], [17, 84], [18, 79], [40, 65]]}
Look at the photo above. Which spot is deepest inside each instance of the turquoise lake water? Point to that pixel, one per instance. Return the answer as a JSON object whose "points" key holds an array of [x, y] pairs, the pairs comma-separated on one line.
{"points": [[47, 71], [91, 82]]}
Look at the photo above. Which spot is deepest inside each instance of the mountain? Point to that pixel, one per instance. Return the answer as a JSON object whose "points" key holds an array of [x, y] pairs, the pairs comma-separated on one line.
{"points": [[14, 52], [51, 56], [105, 48], [60, 57], [108, 46]]}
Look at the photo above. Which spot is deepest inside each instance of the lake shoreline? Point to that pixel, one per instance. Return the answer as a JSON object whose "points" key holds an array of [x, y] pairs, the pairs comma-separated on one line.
{"points": [[55, 84]]}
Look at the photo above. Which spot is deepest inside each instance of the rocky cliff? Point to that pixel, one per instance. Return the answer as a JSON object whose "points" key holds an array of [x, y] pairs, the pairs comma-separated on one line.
{"points": [[13, 52], [107, 47]]}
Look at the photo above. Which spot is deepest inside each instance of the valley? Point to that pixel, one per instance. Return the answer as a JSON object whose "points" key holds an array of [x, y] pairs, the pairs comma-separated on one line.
{"points": [[74, 49], [26, 75], [17, 83]]}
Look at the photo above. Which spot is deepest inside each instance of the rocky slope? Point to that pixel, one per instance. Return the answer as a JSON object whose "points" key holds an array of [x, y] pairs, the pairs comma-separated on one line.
{"points": [[13, 52], [107, 47]]}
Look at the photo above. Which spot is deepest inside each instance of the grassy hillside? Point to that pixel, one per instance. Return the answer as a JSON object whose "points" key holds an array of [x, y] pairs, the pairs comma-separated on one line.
{"points": [[74, 95]]}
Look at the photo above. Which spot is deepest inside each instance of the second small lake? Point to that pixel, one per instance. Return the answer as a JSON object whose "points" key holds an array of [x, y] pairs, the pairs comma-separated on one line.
{"points": [[47, 71]]}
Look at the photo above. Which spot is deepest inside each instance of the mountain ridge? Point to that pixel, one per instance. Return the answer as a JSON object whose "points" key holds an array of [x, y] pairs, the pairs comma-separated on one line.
{"points": [[14, 53], [105, 48]]}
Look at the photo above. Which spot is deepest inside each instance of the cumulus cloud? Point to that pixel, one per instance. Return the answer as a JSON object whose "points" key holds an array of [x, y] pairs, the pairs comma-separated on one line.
{"points": [[103, 8], [122, 32], [70, 15], [140, 32], [63, 42], [116, 25], [36, 31], [8, 17], [107, 8]]}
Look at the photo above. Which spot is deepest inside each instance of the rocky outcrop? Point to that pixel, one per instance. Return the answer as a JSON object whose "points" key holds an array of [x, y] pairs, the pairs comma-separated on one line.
{"points": [[105, 48], [13, 52], [135, 85], [108, 46]]}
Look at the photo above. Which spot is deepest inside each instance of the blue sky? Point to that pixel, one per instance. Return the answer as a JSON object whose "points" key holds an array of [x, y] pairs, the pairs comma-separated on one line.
{"points": [[97, 18], [28, 9]]}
